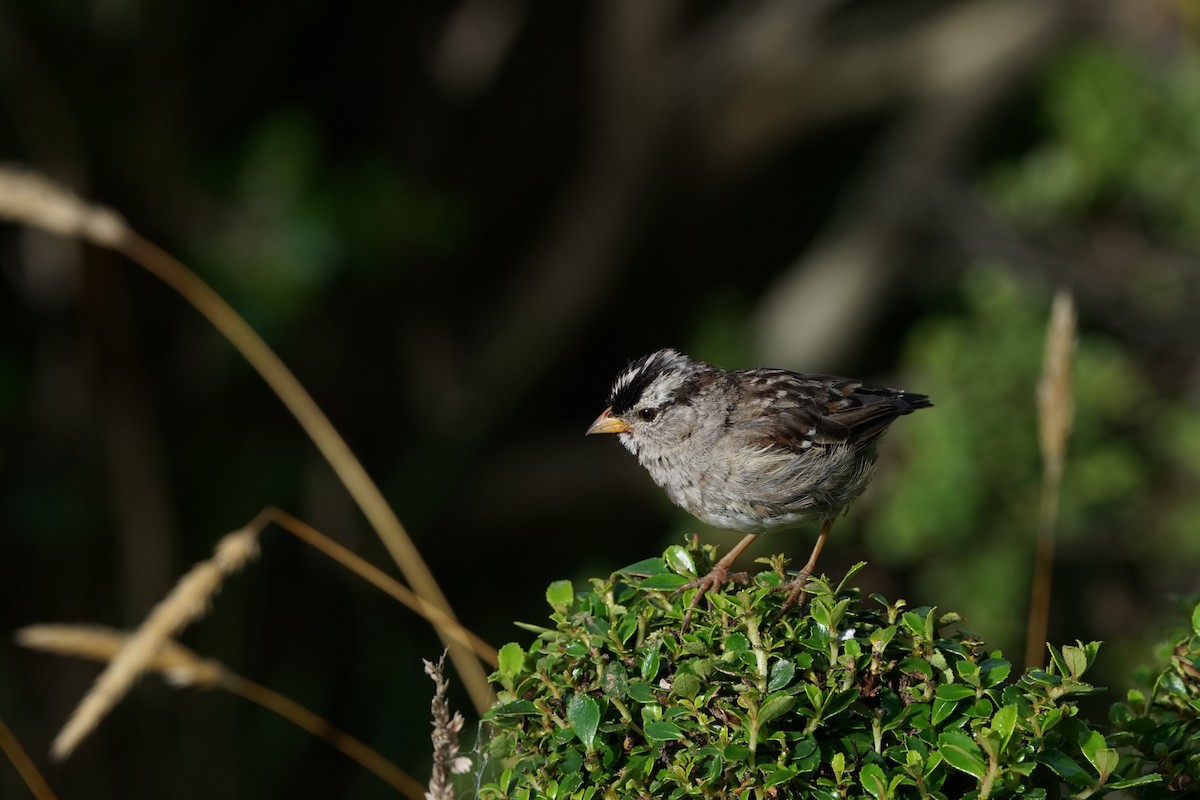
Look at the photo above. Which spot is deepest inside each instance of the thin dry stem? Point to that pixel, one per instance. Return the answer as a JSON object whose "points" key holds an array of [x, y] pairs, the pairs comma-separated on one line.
{"points": [[383, 582], [179, 665], [299, 715], [446, 727], [24, 764], [1056, 402], [33, 200], [1056, 410], [183, 668], [188, 601]]}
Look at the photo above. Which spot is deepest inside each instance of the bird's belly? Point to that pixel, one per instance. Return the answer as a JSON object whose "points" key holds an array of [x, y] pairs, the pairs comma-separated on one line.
{"points": [[740, 513]]}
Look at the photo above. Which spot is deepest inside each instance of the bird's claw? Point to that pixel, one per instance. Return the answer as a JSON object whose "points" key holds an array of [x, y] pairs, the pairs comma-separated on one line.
{"points": [[718, 576], [797, 593]]}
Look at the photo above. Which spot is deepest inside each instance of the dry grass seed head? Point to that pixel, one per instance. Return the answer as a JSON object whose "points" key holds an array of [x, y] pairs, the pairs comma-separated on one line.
{"points": [[188, 601]]}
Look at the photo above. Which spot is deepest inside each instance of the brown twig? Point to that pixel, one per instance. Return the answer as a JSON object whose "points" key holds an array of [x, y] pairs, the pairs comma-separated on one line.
{"points": [[24, 764], [383, 582]]}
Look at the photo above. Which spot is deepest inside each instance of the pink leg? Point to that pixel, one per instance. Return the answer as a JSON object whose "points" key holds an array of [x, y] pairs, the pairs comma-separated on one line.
{"points": [[796, 591], [716, 577]]}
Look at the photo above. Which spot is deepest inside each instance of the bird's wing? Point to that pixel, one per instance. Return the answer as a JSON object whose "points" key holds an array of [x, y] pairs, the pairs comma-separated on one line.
{"points": [[812, 411]]}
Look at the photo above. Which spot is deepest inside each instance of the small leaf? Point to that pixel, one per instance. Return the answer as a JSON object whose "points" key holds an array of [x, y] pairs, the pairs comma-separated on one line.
{"points": [[1004, 723], [1065, 767], [679, 560], [838, 764], [668, 581], [737, 643], [881, 637], [872, 779], [511, 659], [960, 752], [1196, 619], [642, 692], [995, 671], [735, 752], [1075, 660], [952, 691], [1144, 780], [775, 706], [584, 715], [686, 685], [648, 664], [615, 680], [839, 702], [662, 731], [917, 665], [1090, 742], [780, 676], [941, 710], [560, 594], [517, 708], [645, 567], [1105, 762], [915, 623], [778, 776]]}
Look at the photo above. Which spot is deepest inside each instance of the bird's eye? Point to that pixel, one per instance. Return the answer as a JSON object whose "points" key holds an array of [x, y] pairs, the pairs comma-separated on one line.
{"points": [[647, 414]]}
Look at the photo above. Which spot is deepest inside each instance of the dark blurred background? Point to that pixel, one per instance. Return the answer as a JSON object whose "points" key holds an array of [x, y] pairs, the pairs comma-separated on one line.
{"points": [[457, 221]]}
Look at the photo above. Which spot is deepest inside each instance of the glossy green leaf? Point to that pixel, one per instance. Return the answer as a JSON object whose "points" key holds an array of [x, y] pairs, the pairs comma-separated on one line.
{"points": [[781, 675], [648, 663], [1004, 723], [663, 731], [584, 715], [774, 706], [873, 781], [961, 752], [1065, 767], [645, 567], [952, 691], [668, 581], [679, 560]]}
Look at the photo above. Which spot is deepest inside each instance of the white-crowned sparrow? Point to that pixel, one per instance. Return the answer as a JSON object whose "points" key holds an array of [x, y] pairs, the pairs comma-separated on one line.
{"points": [[754, 450]]}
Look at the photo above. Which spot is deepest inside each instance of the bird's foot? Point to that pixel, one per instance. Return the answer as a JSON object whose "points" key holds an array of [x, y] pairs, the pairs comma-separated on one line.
{"points": [[717, 577], [796, 593]]}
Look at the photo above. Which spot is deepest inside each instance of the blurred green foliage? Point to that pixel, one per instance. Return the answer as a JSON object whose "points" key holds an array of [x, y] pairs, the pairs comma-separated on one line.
{"points": [[1123, 131], [1117, 162], [961, 514]]}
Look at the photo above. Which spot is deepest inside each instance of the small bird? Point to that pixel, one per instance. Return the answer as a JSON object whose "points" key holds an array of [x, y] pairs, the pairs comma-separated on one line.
{"points": [[753, 450]]}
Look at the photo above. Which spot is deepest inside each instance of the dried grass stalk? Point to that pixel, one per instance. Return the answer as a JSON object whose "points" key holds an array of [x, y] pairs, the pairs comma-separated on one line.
{"points": [[183, 668], [31, 199], [446, 727], [24, 764], [1055, 398], [188, 601], [1056, 411], [180, 666], [385, 583]]}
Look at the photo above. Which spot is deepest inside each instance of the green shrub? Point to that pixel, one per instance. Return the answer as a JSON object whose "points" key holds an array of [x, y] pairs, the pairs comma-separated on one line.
{"points": [[847, 698]]}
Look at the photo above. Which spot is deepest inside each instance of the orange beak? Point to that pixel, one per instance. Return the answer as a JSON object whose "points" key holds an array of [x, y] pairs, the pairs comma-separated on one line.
{"points": [[607, 423]]}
